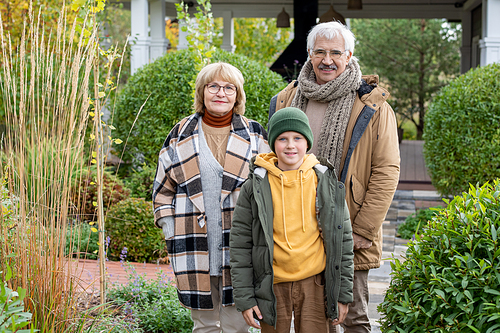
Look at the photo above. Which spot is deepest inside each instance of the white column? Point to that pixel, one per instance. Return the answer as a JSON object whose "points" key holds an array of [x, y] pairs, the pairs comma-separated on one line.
{"points": [[183, 44], [490, 43], [228, 31], [159, 43], [139, 37], [466, 49]]}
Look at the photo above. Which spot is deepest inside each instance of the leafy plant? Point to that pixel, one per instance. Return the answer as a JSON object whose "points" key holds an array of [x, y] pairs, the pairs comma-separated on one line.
{"points": [[12, 315], [81, 242], [449, 279], [463, 131], [415, 222], [130, 224], [85, 191], [158, 95], [140, 182], [153, 303]]}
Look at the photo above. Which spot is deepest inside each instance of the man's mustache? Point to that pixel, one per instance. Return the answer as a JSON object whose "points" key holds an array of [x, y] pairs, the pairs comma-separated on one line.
{"points": [[323, 66]]}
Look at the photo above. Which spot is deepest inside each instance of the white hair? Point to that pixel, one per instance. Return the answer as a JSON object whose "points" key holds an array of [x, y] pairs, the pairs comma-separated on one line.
{"points": [[331, 30]]}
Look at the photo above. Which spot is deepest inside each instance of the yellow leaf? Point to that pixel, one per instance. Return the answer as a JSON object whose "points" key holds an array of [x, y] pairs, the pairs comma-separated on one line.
{"points": [[109, 82], [92, 137], [93, 229], [112, 127], [94, 203], [92, 183], [101, 94], [118, 141], [93, 161], [95, 251], [92, 114], [98, 242], [94, 154], [91, 223]]}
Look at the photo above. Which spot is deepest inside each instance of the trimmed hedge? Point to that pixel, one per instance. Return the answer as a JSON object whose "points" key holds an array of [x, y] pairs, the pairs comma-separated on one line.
{"points": [[462, 131], [163, 88], [450, 280]]}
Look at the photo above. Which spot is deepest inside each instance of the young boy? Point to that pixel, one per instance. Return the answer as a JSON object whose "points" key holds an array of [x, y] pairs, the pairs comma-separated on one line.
{"points": [[291, 243]]}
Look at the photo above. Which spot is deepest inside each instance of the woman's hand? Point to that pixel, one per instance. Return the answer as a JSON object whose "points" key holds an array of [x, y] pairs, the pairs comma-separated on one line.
{"points": [[248, 315], [343, 309]]}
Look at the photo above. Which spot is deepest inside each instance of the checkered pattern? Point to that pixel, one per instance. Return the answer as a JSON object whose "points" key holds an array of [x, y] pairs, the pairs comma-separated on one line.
{"points": [[178, 192]]}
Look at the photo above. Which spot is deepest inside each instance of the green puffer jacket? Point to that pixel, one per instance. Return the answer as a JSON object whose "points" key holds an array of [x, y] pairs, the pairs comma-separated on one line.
{"points": [[251, 243]]}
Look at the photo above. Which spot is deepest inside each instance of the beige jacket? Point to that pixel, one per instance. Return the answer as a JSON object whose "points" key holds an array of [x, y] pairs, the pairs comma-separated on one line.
{"points": [[373, 171]]}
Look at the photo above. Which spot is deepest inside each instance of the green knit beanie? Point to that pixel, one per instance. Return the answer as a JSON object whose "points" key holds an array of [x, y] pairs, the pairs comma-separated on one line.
{"points": [[289, 119]]}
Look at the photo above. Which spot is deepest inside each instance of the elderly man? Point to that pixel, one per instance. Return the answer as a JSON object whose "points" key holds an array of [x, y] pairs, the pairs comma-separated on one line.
{"points": [[355, 129]]}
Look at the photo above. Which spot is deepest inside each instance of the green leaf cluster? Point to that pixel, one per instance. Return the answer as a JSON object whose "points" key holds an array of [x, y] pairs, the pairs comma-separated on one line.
{"points": [[153, 303], [158, 95], [462, 136], [140, 182], [130, 224], [12, 315], [416, 221], [450, 278]]}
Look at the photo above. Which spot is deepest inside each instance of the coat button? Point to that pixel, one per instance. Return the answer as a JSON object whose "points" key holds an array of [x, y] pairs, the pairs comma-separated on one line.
{"points": [[221, 174], [220, 246], [340, 227], [374, 104], [383, 94], [220, 269], [341, 186], [337, 267], [220, 223]]}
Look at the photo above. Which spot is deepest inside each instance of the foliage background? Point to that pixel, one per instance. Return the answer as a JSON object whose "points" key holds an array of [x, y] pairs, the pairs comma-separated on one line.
{"points": [[414, 57]]}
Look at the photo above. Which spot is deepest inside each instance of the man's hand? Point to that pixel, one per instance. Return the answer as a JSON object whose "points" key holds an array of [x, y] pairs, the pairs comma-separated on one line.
{"points": [[248, 316], [360, 242], [343, 309]]}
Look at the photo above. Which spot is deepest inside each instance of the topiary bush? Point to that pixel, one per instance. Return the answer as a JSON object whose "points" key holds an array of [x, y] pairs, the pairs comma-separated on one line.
{"points": [[462, 131], [163, 88], [130, 224], [450, 280]]}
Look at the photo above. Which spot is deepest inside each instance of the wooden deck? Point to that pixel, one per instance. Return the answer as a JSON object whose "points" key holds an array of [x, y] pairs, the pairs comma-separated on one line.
{"points": [[413, 173]]}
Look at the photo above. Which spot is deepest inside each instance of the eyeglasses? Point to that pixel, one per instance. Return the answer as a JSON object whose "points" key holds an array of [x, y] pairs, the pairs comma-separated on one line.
{"points": [[334, 54], [214, 88]]}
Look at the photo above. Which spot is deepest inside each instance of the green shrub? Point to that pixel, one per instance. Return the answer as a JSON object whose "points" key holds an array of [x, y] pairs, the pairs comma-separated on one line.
{"points": [[462, 131], [153, 302], [450, 280], [140, 182], [163, 88], [84, 193], [130, 225], [416, 221]]}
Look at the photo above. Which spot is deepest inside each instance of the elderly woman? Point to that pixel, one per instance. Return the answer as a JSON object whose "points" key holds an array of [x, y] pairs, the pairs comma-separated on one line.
{"points": [[201, 167]]}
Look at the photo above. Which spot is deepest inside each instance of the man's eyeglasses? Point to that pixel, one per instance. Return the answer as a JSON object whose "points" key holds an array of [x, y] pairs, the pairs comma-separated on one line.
{"points": [[334, 54], [214, 88]]}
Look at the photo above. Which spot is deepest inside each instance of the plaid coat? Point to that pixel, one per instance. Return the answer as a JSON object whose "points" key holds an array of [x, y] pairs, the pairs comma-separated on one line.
{"points": [[177, 192]]}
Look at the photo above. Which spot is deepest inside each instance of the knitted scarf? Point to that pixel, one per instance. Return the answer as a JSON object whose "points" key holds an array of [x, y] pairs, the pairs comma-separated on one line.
{"points": [[340, 94]]}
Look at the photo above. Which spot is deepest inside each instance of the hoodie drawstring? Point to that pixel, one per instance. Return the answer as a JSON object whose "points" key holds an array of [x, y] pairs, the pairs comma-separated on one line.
{"points": [[302, 201], [283, 210], [301, 172]]}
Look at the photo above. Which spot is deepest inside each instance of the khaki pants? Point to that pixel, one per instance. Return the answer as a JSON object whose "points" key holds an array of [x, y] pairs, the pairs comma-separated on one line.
{"points": [[357, 320], [306, 300], [227, 319]]}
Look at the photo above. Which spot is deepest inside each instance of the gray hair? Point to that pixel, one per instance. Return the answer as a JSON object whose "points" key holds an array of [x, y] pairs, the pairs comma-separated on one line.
{"points": [[331, 30]]}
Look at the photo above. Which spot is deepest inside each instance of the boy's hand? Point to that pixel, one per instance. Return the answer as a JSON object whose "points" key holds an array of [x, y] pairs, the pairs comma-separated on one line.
{"points": [[248, 316], [343, 309]]}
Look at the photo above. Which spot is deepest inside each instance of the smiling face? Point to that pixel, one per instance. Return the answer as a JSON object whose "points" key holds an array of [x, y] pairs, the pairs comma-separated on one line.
{"points": [[219, 104], [290, 148], [327, 69]]}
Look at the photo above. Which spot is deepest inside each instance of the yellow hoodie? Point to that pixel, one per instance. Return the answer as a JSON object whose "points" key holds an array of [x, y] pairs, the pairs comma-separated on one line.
{"points": [[298, 247]]}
